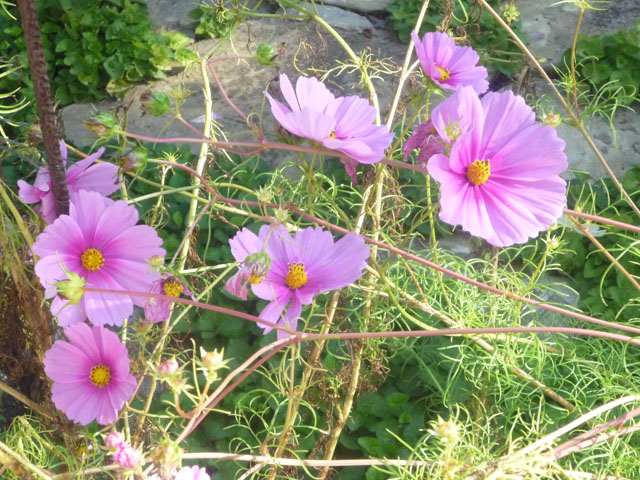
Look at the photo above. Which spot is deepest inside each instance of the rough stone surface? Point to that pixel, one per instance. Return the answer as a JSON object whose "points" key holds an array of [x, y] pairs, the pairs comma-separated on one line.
{"points": [[550, 25], [337, 17], [173, 14], [302, 44], [361, 5], [306, 48]]}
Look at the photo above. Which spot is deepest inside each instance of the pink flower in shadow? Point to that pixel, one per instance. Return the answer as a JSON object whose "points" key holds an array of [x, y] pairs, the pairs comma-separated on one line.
{"points": [[82, 175]]}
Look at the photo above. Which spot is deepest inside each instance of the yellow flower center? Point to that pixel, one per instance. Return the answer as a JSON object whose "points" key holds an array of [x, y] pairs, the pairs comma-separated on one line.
{"points": [[100, 375], [172, 288], [256, 279], [92, 259], [332, 134], [445, 73], [478, 172], [296, 277]]}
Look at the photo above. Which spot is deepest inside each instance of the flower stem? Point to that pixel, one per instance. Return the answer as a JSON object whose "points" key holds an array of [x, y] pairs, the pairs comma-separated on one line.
{"points": [[202, 159]]}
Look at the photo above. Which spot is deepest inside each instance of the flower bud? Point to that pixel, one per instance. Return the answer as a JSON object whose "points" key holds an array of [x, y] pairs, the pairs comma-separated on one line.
{"points": [[282, 215], [266, 54], [510, 13], [265, 194], [113, 440], [127, 456], [134, 161], [447, 431], [552, 119], [102, 125], [168, 367], [213, 360], [71, 289]]}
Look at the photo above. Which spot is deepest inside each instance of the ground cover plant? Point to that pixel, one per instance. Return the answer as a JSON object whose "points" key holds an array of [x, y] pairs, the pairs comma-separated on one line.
{"points": [[206, 315]]}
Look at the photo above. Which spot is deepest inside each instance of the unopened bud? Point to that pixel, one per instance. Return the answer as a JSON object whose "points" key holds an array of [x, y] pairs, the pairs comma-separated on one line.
{"points": [[552, 119], [447, 431], [213, 360], [265, 194], [266, 54], [127, 456], [73, 288], [282, 215], [553, 244], [102, 125], [156, 261], [168, 367], [134, 161], [34, 134], [113, 440], [510, 13]]}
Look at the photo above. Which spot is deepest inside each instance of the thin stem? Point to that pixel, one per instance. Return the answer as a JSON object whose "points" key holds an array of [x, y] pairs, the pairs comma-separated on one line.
{"points": [[603, 220], [573, 62], [605, 252], [446, 271], [26, 400], [24, 462], [293, 462], [202, 159], [404, 73], [352, 55]]}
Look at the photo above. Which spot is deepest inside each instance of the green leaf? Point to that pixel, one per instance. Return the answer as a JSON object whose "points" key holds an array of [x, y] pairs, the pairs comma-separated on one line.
{"points": [[161, 103], [177, 218], [114, 66], [397, 399], [65, 45]]}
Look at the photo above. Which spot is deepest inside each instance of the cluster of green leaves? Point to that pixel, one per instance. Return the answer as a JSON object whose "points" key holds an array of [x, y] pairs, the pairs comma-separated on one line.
{"points": [[609, 63], [497, 50], [106, 46], [215, 20], [604, 291]]}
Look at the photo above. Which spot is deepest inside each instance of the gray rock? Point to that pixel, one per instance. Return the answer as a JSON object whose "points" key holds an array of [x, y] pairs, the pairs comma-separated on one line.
{"points": [[618, 147], [361, 5], [337, 17], [173, 14], [245, 81], [550, 25]]}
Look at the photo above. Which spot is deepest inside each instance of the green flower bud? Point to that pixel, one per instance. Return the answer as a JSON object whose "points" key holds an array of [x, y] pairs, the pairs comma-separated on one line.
{"points": [[266, 54]]}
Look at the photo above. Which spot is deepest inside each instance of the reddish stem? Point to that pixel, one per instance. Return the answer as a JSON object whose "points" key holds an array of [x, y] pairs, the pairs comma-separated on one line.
{"points": [[233, 105], [194, 303], [415, 258], [301, 337], [603, 220]]}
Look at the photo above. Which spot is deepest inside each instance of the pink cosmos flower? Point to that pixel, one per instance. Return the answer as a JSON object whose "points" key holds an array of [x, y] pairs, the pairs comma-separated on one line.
{"points": [[302, 266], [501, 179], [100, 241], [127, 457], [158, 310], [457, 114], [185, 473], [425, 139], [101, 178], [192, 473], [90, 373], [345, 124], [255, 266], [448, 65]]}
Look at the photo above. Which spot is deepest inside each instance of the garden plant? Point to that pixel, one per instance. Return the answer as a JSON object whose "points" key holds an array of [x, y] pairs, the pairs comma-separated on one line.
{"points": [[166, 314]]}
